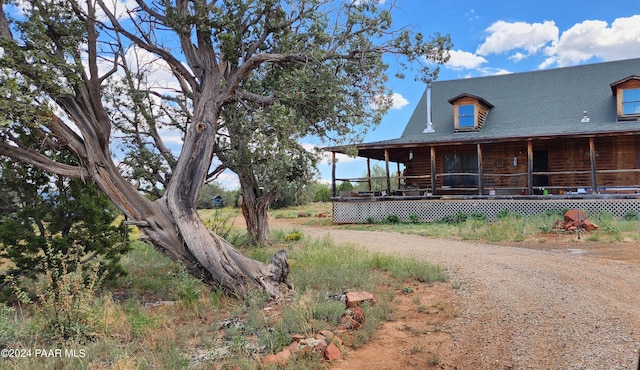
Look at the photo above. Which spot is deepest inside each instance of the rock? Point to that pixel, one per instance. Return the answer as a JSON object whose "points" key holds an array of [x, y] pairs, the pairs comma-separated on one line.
{"points": [[293, 347], [575, 215], [574, 220], [298, 337], [280, 358], [358, 315], [332, 352], [356, 298], [352, 318]]}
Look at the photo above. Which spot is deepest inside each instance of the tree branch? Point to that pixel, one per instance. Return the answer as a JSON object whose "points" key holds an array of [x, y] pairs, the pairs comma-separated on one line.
{"points": [[40, 161]]}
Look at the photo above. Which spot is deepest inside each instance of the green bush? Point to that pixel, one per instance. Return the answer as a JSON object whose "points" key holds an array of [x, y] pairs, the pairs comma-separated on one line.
{"points": [[67, 305], [392, 219], [631, 216]]}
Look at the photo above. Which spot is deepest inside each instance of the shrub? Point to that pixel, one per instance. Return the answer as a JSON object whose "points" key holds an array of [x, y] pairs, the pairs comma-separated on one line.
{"points": [[458, 218], [413, 218], [631, 216], [67, 301], [392, 219]]}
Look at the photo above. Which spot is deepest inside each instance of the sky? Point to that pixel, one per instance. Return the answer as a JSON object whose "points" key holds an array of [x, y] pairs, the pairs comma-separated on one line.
{"points": [[502, 36], [489, 37]]}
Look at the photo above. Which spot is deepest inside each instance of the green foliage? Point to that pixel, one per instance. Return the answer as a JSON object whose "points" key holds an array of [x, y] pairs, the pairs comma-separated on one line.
{"points": [[66, 305], [9, 325], [454, 219], [186, 288], [210, 191], [293, 236], [220, 222], [345, 186], [322, 194], [392, 219], [631, 216], [505, 213], [46, 215], [414, 218]]}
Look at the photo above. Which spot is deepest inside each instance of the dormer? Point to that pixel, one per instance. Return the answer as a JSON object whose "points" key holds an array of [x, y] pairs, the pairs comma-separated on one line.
{"points": [[469, 112], [627, 93]]}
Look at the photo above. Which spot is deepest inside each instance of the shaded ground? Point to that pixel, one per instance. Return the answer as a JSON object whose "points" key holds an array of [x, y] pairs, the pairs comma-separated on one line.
{"points": [[555, 302]]}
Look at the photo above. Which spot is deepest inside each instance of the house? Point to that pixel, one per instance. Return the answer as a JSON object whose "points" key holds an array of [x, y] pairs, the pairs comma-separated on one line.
{"points": [[218, 202], [559, 134]]}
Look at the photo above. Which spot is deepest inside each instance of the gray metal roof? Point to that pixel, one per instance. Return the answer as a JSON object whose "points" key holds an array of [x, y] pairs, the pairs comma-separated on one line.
{"points": [[543, 103]]}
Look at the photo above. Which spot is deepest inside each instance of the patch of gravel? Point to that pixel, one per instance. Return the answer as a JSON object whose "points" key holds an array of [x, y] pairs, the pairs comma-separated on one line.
{"points": [[524, 308]]}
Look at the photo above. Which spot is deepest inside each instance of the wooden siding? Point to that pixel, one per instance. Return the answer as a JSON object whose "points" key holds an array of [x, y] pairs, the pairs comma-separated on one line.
{"points": [[617, 163]]}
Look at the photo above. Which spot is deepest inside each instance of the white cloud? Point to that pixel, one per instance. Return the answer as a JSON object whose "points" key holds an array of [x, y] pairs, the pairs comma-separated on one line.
{"points": [[228, 180], [530, 37], [464, 60], [119, 8], [594, 38], [398, 101]]}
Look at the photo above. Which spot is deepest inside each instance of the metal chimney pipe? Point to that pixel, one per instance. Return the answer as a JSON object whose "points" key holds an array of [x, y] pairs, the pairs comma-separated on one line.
{"points": [[429, 128]]}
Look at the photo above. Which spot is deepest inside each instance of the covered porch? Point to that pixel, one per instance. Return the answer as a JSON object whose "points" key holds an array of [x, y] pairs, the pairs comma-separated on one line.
{"points": [[582, 166]]}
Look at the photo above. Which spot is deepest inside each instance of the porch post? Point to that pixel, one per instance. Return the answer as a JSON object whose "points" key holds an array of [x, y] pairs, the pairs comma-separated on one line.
{"points": [[369, 174], [398, 169], [386, 161], [433, 170], [333, 173], [592, 157], [480, 186], [530, 166]]}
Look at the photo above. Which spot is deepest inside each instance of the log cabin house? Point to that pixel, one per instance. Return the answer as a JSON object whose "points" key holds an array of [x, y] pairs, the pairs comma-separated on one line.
{"points": [[569, 136]]}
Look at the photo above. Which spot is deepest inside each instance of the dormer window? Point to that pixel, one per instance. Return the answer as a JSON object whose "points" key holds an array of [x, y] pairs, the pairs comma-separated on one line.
{"points": [[469, 112], [627, 92], [631, 101]]}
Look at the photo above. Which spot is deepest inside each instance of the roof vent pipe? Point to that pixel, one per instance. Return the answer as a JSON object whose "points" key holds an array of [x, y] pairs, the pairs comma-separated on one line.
{"points": [[429, 128]]}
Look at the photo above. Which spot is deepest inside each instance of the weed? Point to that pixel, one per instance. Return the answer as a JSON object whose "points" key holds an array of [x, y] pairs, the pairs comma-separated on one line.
{"points": [[67, 308], [413, 218], [293, 236], [434, 360], [187, 288], [440, 306], [392, 219], [416, 349], [631, 216], [407, 290]]}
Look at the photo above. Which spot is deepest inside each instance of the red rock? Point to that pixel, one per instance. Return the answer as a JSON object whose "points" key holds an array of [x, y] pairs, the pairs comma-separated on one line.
{"points": [[575, 215], [293, 347], [589, 226], [332, 352], [356, 298], [280, 358], [319, 347], [298, 337], [358, 315]]}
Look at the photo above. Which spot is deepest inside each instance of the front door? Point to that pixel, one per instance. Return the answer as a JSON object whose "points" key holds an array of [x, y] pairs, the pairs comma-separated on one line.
{"points": [[540, 164]]}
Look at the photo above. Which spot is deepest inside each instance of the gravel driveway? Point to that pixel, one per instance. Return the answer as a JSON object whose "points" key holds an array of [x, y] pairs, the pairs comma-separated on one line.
{"points": [[524, 308]]}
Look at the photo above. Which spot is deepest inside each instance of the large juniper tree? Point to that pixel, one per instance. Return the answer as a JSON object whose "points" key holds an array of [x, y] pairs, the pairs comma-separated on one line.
{"points": [[83, 76]]}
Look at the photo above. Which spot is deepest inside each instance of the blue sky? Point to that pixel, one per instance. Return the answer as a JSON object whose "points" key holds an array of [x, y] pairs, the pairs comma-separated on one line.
{"points": [[493, 37], [489, 37]]}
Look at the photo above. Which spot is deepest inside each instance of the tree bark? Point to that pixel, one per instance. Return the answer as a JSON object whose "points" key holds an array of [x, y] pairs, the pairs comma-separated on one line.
{"points": [[255, 207]]}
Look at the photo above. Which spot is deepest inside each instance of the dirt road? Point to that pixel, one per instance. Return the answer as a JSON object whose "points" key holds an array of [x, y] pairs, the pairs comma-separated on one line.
{"points": [[563, 307]]}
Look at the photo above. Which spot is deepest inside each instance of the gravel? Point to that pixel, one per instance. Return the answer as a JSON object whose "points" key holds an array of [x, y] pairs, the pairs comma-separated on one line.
{"points": [[525, 308]]}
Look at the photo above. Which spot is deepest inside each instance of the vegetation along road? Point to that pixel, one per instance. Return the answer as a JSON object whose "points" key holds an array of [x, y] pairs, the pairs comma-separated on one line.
{"points": [[557, 307]]}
